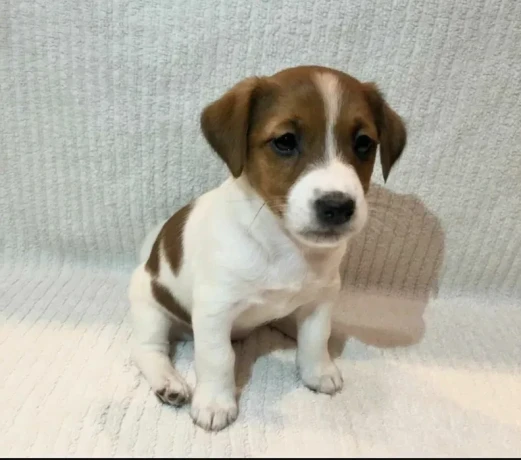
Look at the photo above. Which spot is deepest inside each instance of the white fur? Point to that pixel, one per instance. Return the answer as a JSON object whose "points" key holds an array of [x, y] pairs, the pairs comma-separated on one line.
{"points": [[244, 267], [331, 91]]}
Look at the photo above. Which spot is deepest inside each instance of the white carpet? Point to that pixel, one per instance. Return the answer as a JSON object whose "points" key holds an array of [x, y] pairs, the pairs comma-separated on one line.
{"points": [[68, 389], [99, 141]]}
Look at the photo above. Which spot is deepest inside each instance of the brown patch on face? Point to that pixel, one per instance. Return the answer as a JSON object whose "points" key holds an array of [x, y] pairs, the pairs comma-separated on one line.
{"points": [[364, 110], [297, 106], [355, 117], [293, 106], [170, 238], [240, 125]]}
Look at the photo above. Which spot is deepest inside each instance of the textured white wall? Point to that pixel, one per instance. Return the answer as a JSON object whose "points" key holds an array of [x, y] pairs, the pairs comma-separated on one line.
{"points": [[99, 133]]}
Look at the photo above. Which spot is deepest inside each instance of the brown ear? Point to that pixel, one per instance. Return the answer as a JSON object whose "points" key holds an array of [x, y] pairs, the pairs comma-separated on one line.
{"points": [[391, 129], [225, 124]]}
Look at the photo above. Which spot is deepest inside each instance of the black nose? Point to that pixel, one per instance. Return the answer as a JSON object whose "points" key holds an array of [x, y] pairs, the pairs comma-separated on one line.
{"points": [[334, 209]]}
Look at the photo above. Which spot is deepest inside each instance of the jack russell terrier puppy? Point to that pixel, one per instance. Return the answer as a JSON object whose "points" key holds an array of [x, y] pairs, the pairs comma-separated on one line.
{"points": [[268, 242]]}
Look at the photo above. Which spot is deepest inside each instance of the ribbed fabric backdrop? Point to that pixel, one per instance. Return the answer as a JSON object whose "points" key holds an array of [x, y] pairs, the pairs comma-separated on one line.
{"points": [[99, 140]]}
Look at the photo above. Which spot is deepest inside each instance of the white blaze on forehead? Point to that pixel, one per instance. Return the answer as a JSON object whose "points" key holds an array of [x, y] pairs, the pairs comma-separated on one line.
{"points": [[331, 92]]}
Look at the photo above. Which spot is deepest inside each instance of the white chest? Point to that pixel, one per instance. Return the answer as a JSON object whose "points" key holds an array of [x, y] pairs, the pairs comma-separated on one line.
{"points": [[271, 274], [279, 297]]}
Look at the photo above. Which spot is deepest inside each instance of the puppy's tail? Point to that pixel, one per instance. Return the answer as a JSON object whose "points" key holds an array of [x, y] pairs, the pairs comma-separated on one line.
{"points": [[149, 241]]}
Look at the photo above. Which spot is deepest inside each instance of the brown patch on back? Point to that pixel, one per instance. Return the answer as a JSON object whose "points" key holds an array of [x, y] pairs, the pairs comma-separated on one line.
{"points": [[170, 239], [165, 298], [173, 237], [152, 264]]}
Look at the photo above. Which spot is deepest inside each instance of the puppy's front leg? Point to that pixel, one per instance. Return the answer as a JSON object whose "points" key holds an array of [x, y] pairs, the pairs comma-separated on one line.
{"points": [[214, 404], [317, 369]]}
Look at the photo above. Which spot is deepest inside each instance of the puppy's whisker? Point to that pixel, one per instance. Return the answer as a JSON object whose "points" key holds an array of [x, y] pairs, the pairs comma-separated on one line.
{"points": [[256, 215]]}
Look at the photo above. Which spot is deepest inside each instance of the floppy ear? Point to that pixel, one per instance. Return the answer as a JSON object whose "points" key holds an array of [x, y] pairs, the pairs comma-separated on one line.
{"points": [[391, 129], [225, 124]]}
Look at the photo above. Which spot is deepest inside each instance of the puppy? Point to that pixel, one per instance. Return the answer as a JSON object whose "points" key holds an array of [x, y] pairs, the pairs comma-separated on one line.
{"points": [[267, 243]]}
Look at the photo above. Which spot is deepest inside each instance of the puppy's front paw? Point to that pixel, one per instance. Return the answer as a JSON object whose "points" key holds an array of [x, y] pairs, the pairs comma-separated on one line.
{"points": [[212, 410], [323, 378]]}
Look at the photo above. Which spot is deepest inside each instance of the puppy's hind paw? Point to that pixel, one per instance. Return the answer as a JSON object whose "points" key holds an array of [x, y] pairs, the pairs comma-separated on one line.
{"points": [[175, 391]]}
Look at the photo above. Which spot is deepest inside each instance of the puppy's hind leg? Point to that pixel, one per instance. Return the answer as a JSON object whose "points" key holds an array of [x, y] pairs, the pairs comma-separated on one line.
{"points": [[150, 350]]}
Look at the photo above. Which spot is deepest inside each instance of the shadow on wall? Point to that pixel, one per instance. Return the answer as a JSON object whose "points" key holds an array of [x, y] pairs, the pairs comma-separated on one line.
{"points": [[390, 272]]}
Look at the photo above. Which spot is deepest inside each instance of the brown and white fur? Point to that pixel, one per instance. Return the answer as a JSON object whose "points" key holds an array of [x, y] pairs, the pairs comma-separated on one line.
{"points": [[269, 241]]}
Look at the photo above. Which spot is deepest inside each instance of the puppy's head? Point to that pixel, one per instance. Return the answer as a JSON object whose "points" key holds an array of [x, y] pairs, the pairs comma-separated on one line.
{"points": [[306, 139]]}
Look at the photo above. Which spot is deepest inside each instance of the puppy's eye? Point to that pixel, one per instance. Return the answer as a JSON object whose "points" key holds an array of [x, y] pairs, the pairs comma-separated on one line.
{"points": [[363, 146], [285, 145]]}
